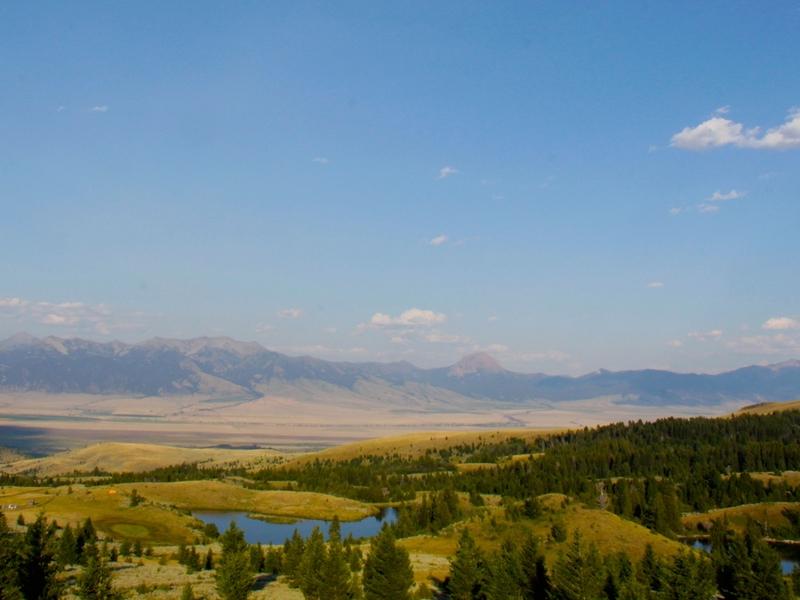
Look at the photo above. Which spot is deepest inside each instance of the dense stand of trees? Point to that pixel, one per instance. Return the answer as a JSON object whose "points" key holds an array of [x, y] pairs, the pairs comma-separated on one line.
{"points": [[646, 472], [739, 568]]}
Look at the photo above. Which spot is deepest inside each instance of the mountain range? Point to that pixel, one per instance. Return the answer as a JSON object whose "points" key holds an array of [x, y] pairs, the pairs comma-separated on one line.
{"points": [[226, 368]]}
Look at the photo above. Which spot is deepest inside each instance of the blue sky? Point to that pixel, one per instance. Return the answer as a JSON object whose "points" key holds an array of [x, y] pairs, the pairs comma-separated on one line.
{"points": [[569, 186]]}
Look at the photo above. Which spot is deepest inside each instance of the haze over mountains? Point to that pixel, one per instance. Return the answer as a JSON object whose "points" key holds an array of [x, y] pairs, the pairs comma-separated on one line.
{"points": [[229, 369]]}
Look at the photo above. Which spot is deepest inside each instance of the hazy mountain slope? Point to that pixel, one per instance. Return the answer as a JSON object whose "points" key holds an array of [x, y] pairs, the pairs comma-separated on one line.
{"points": [[227, 368]]}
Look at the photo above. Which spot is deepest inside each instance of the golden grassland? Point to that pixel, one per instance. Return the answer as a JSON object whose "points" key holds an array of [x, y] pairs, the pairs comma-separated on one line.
{"points": [[766, 408], [768, 513], [163, 516], [161, 577], [220, 495], [110, 512], [117, 457], [790, 477], [414, 445]]}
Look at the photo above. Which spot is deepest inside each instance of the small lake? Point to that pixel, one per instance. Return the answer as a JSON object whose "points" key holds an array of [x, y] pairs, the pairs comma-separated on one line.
{"points": [[273, 532], [789, 556]]}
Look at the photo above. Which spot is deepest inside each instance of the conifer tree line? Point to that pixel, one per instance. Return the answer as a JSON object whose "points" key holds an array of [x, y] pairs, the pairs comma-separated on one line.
{"points": [[31, 561], [332, 570], [740, 567]]}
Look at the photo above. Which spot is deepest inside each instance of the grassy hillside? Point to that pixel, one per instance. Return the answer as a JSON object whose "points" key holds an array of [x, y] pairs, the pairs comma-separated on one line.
{"points": [[766, 408], [163, 516], [218, 495], [416, 444], [108, 508], [489, 527], [769, 514], [126, 457]]}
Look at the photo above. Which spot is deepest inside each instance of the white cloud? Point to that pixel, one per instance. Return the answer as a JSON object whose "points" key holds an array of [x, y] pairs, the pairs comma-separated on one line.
{"points": [[439, 240], [675, 210], [723, 110], [655, 284], [781, 323], [438, 337], [705, 336], [492, 318], [786, 344], [652, 148], [101, 108], [290, 313], [321, 160], [675, 343], [57, 319], [707, 208], [719, 196], [447, 171], [12, 303], [719, 131], [77, 317], [263, 327], [413, 317]]}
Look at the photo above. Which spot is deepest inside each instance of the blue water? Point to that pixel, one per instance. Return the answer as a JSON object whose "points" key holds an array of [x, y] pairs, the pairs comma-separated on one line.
{"points": [[266, 532], [788, 561]]}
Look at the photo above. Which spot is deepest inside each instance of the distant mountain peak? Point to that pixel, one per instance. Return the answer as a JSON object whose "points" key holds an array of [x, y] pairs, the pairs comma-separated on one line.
{"points": [[23, 338], [480, 362]]}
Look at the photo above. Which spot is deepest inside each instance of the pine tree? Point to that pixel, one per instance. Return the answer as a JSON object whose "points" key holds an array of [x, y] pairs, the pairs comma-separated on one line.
{"points": [[535, 582], [505, 575], [336, 584], [95, 581], [257, 558], [466, 570], [293, 550], [578, 573], [67, 553], [9, 562], [690, 578], [311, 566], [37, 568], [86, 535], [209, 562], [234, 577], [387, 570]]}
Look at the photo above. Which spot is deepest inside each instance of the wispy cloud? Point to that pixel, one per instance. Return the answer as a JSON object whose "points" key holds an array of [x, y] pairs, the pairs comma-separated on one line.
{"points": [[781, 323], [320, 160], [705, 336], [413, 317], [264, 328], [439, 240], [723, 110], [100, 108], [447, 171], [655, 284], [290, 313], [718, 131], [77, 317], [707, 208], [719, 196]]}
